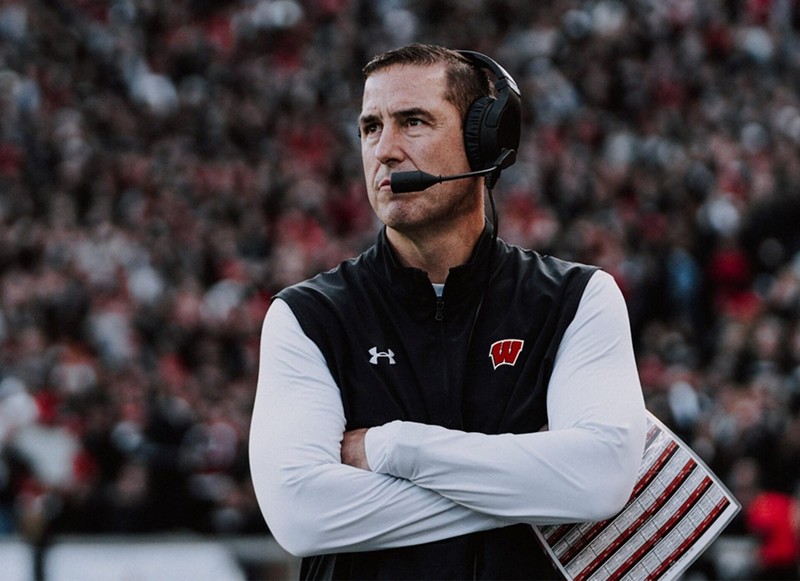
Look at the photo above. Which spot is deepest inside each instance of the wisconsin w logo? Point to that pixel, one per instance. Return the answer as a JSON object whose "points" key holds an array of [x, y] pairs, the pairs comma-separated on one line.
{"points": [[505, 352]]}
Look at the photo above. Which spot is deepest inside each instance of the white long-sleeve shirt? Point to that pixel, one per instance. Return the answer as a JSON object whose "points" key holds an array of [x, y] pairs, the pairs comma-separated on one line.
{"points": [[428, 483]]}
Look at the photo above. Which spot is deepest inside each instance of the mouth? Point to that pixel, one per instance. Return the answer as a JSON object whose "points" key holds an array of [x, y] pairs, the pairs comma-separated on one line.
{"points": [[385, 183]]}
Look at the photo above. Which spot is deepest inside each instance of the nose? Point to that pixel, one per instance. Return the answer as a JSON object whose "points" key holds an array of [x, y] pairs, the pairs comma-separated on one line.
{"points": [[388, 149]]}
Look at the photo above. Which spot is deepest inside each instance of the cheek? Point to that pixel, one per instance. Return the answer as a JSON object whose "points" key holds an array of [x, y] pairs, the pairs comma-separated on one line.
{"points": [[447, 153], [368, 161]]}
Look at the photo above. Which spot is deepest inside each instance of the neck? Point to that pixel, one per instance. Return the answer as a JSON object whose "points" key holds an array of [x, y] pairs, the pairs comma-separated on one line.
{"points": [[437, 252]]}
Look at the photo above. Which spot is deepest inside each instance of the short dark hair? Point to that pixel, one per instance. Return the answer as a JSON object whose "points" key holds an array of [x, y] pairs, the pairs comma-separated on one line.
{"points": [[466, 82]]}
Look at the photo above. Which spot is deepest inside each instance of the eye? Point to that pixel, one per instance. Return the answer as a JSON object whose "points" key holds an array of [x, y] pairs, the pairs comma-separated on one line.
{"points": [[368, 129]]}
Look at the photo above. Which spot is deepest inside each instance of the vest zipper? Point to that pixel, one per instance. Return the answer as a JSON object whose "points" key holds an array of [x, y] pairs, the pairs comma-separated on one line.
{"points": [[439, 309]]}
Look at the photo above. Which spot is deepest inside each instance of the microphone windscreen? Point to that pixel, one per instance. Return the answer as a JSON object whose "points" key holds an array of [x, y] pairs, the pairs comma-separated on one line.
{"points": [[412, 181]]}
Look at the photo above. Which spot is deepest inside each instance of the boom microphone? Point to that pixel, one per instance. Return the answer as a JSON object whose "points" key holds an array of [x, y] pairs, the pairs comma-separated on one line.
{"points": [[415, 181]]}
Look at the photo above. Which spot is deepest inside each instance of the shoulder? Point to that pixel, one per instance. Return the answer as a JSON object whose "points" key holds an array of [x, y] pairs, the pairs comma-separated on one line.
{"points": [[330, 297], [603, 295], [544, 271], [332, 284]]}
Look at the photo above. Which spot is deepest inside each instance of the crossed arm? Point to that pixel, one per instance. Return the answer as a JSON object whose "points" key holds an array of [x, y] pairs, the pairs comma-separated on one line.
{"points": [[323, 490]]}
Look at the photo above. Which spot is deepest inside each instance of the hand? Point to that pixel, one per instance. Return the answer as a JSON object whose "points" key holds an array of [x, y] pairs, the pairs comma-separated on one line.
{"points": [[353, 451]]}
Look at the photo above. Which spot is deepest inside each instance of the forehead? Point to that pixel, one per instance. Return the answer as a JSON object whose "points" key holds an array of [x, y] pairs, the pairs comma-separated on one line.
{"points": [[401, 87]]}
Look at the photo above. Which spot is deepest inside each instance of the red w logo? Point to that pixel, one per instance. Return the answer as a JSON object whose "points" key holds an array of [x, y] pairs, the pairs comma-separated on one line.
{"points": [[505, 352]]}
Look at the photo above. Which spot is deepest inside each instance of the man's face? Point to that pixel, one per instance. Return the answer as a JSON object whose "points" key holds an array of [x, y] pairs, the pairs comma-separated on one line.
{"points": [[407, 124]]}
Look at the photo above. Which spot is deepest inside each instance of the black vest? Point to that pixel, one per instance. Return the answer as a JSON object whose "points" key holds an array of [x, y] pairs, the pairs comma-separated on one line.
{"points": [[397, 351]]}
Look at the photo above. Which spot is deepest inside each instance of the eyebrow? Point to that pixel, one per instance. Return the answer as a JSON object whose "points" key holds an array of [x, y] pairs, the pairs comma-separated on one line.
{"points": [[367, 120], [412, 112], [401, 114]]}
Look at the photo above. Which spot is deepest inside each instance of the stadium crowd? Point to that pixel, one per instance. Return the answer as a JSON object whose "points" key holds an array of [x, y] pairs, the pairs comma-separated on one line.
{"points": [[166, 166]]}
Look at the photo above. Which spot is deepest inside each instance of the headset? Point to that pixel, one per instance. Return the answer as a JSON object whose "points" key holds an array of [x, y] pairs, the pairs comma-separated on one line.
{"points": [[491, 133], [492, 125]]}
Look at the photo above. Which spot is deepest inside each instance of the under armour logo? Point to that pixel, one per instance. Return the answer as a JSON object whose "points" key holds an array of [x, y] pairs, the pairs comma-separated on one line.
{"points": [[505, 352], [389, 354]]}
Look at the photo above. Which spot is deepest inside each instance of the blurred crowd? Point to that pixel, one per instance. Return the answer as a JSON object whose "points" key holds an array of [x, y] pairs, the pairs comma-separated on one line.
{"points": [[165, 167]]}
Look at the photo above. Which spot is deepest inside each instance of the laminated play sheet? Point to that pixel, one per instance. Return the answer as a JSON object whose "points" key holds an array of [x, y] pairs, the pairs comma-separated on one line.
{"points": [[677, 508]]}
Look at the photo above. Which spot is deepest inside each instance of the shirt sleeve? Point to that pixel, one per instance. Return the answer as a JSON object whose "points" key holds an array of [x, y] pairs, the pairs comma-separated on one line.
{"points": [[582, 468], [314, 504]]}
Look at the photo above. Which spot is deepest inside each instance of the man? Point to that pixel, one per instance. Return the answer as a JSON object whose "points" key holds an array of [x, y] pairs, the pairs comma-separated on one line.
{"points": [[398, 429]]}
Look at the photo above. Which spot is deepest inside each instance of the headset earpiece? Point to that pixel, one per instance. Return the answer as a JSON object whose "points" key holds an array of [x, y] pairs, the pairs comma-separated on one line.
{"points": [[492, 124]]}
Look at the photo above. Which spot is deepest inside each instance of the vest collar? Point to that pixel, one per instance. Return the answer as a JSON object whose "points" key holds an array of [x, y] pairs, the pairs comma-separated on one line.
{"points": [[463, 281]]}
